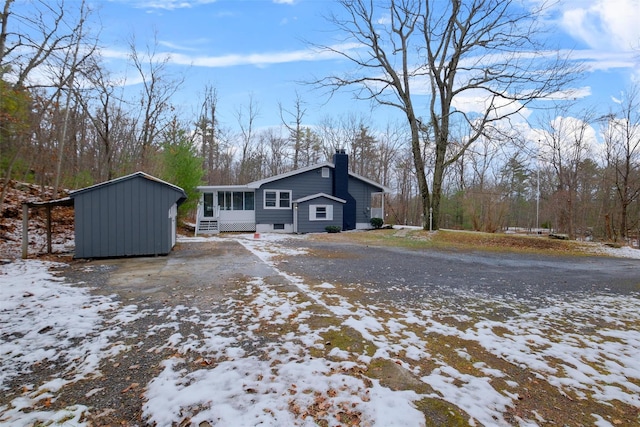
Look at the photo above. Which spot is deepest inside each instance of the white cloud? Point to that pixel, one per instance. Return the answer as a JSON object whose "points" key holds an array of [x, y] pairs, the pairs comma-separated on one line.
{"points": [[569, 94], [168, 4], [174, 46], [602, 60], [478, 101], [284, 1], [236, 59], [610, 25], [260, 59]]}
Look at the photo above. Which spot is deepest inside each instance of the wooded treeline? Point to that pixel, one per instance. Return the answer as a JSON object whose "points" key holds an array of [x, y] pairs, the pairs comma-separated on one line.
{"points": [[65, 122]]}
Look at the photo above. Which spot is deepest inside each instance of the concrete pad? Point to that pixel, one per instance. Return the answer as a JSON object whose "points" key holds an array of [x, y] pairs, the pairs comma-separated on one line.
{"points": [[193, 273]]}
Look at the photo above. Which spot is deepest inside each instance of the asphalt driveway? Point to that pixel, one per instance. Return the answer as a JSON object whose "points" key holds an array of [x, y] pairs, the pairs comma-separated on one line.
{"points": [[409, 274]]}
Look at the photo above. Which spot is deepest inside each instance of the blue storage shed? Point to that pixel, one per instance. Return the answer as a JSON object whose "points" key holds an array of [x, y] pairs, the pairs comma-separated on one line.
{"points": [[133, 215]]}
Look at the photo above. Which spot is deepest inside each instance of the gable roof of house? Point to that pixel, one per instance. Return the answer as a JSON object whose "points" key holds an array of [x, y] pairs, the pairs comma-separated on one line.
{"points": [[183, 197], [317, 196], [258, 184]]}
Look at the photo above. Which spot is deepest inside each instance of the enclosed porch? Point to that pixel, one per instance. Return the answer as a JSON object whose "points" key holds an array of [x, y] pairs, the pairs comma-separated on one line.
{"points": [[225, 209]]}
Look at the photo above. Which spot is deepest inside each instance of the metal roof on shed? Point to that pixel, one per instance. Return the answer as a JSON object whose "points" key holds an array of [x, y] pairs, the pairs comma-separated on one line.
{"points": [[74, 193]]}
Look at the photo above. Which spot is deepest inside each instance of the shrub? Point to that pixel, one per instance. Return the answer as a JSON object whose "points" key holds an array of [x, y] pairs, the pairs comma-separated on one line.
{"points": [[333, 228], [377, 222]]}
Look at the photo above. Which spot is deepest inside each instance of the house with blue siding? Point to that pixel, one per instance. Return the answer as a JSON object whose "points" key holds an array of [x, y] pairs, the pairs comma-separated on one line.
{"points": [[306, 200]]}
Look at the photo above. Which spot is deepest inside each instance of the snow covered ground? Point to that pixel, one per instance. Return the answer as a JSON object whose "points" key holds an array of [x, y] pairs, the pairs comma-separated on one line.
{"points": [[621, 252], [293, 378]]}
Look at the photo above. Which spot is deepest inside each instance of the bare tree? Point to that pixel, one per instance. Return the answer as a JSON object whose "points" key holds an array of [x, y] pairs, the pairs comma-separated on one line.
{"points": [[246, 122], [292, 121], [454, 48], [15, 108], [277, 151], [565, 146], [392, 139], [158, 86], [483, 201], [622, 140], [104, 107], [35, 35], [4, 28], [44, 36], [207, 129], [402, 208], [69, 67]]}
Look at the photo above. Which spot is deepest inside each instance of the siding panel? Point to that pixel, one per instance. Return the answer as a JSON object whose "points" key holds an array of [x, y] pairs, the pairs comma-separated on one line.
{"points": [[125, 217], [113, 233], [301, 185], [361, 191]]}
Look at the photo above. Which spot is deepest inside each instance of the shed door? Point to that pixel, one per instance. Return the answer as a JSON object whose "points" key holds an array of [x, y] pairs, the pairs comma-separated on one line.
{"points": [[173, 214]]}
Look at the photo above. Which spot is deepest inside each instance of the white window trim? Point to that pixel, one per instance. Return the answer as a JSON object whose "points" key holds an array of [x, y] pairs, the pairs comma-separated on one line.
{"points": [[325, 172], [313, 210], [278, 192]]}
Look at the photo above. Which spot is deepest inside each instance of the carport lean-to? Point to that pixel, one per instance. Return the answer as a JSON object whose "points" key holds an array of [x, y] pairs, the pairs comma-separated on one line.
{"points": [[67, 201]]}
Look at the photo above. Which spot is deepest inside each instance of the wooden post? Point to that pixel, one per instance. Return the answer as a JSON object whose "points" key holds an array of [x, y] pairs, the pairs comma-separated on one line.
{"points": [[25, 230], [48, 229]]}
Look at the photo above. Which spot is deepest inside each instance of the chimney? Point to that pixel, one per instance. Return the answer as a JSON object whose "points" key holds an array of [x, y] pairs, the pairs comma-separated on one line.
{"points": [[341, 188]]}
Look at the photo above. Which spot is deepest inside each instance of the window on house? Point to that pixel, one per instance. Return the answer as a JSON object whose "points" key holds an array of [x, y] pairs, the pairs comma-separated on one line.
{"points": [[278, 226], [224, 200], [235, 200], [249, 203], [320, 213], [238, 200], [325, 172], [270, 198], [277, 199], [285, 199]]}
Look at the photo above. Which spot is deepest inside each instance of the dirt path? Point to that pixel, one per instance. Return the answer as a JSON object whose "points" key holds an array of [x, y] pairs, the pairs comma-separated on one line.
{"points": [[194, 278], [195, 274]]}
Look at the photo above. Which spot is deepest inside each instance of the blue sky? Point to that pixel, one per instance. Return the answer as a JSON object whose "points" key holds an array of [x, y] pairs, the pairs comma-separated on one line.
{"points": [[259, 49], [244, 49]]}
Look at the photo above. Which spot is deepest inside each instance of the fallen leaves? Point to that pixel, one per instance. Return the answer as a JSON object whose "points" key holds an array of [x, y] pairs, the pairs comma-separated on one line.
{"points": [[325, 405], [131, 387], [202, 361]]}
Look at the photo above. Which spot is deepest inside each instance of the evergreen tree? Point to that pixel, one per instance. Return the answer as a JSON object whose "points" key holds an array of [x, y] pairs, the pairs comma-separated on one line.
{"points": [[182, 166]]}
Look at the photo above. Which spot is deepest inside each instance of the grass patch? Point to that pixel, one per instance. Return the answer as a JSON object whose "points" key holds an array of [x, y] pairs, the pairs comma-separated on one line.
{"points": [[460, 240], [392, 375], [440, 413], [347, 339]]}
